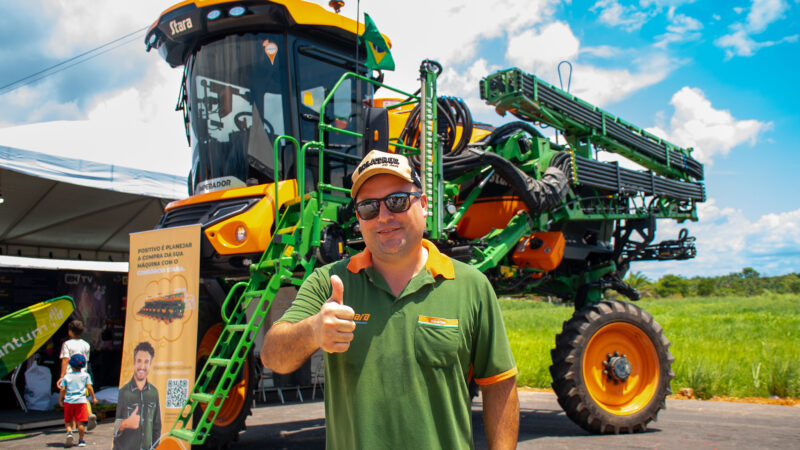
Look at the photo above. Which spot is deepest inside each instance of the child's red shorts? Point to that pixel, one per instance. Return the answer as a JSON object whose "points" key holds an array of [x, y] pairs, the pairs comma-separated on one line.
{"points": [[75, 411]]}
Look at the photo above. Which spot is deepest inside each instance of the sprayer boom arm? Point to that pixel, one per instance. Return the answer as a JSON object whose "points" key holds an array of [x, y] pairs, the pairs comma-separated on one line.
{"points": [[531, 99]]}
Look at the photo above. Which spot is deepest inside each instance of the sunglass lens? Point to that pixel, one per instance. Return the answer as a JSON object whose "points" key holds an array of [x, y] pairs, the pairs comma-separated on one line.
{"points": [[397, 203], [369, 209]]}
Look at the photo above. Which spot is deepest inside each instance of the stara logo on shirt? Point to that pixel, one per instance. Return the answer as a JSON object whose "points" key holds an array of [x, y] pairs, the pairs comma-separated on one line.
{"points": [[361, 318]]}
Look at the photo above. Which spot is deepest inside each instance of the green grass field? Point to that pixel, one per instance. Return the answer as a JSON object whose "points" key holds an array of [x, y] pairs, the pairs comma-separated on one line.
{"points": [[726, 346]]}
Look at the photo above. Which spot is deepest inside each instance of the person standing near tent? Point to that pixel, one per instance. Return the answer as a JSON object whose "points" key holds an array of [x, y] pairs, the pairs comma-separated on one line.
{"points": [[76, 346], [404, 327], [74, 386]]}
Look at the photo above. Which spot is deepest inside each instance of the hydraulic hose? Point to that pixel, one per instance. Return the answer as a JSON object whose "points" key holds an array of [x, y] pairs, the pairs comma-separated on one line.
{"points": [[452, 112], [538, 195]]}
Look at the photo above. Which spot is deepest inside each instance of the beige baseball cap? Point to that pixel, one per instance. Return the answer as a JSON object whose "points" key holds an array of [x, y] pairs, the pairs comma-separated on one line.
{"points": [[377, 162]]}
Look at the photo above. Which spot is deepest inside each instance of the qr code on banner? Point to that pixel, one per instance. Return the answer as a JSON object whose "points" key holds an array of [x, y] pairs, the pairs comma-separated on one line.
{"points": [[177, 392]]}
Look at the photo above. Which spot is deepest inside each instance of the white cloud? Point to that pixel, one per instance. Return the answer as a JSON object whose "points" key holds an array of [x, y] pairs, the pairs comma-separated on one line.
{"points": [[660, 4], [556, 42], [601, 51], [696, 123], [681, 29], [629, 18], [541, 50], [464, 84], [449, 31], [135, 127], [35, 103], [80, 25], [603, 86], [739, 42], [764, 12], [727, 242]]}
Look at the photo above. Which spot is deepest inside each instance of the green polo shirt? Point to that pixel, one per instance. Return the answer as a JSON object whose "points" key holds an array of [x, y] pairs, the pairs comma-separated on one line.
{"points": [[403, 383]]}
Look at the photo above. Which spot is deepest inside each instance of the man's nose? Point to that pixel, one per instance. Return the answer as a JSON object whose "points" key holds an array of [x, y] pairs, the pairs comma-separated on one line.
{"points": [[383, 211]]}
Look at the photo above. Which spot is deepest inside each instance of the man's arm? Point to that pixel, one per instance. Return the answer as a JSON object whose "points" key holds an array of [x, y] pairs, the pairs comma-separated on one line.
{"points": [[157, 420], [501, 413], [288, 345], [64, 363], [90, 388]]}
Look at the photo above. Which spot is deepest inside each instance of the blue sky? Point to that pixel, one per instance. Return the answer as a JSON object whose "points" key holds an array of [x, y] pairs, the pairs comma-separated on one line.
{"points": [[716, 76]]}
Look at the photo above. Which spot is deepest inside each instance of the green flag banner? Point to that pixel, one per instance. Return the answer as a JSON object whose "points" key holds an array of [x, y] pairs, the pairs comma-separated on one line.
{"points": [[378, 55], [24, 331]]}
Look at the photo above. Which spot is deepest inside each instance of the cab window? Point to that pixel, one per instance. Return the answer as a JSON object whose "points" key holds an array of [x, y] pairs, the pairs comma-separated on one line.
{"points": [[318, 71]]}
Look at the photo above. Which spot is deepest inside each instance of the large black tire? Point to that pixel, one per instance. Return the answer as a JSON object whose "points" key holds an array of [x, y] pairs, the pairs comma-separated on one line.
{"points": [[237, 407], [612, 368]]}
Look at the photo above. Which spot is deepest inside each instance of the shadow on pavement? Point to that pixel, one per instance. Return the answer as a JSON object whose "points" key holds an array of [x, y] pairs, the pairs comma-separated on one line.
{"points": [[302, 434]]}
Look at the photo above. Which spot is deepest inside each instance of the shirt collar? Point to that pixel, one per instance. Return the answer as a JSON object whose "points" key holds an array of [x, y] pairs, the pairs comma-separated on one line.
{"points": [[437, 264], [136, 388]]}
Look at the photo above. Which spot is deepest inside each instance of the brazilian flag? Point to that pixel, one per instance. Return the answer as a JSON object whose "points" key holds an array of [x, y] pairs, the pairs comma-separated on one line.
{"points": [[378, 55]]}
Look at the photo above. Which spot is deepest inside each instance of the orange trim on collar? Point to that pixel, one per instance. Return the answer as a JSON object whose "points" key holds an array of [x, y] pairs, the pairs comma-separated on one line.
{"points": [[437, 263], [360, 261]]}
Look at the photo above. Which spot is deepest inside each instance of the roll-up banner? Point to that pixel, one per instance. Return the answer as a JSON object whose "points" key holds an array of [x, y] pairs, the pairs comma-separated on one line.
{"points": [[158, 355]]}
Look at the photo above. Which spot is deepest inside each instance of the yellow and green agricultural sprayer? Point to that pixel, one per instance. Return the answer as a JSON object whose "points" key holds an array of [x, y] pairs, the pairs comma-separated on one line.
{"points": [[280, 105]]}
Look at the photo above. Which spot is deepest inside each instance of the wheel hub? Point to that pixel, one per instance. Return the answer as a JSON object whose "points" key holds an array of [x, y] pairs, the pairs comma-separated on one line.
{"points": [[617, 367]]}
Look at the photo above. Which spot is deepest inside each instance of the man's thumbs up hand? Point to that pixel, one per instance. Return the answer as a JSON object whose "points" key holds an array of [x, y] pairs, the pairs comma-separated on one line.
{"points": [[333, 324], [337, 290]]}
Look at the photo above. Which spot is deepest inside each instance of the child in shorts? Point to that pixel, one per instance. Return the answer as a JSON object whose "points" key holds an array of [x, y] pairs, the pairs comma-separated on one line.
{"points": [[72, 347], [72, 397]]}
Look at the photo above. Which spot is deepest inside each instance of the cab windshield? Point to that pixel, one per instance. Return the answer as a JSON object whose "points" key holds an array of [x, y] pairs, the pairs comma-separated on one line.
{"points": [[236, 89]]}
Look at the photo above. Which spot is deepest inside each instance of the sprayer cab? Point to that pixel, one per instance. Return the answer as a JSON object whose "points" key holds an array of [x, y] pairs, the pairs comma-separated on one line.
{"points": [[257, 70]]}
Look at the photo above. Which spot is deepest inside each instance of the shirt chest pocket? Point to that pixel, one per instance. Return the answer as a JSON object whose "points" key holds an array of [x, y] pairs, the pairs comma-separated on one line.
{"points": [[150, 411], [436, 346]]}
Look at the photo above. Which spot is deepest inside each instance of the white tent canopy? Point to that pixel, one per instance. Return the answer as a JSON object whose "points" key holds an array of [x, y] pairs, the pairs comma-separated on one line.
{"points": [[66, 208]]}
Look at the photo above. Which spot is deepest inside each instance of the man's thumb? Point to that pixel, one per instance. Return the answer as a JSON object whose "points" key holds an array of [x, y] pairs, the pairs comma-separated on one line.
{"points": [[337, 289], [135, 410]]}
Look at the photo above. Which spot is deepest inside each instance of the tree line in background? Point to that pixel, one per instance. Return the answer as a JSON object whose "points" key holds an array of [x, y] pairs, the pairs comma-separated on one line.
{"points": [[746, 282]]}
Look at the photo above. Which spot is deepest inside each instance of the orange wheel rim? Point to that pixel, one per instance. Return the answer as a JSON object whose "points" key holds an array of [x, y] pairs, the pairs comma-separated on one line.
{"points": [[635, 392], [171, 443], [237, 395]]}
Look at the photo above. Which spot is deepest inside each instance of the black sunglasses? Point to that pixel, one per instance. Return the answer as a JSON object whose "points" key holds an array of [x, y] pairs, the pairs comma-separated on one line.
{"points": [[396, 203]]}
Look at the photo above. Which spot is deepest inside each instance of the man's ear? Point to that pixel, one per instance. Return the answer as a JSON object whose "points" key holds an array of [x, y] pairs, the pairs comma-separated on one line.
{"points": [[423, 203]]}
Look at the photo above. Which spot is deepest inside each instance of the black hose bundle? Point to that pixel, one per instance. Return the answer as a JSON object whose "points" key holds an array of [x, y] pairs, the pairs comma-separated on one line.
{"points": [[504, 131], [562, 161], [538, 195], [451, 113], [454, 166]]}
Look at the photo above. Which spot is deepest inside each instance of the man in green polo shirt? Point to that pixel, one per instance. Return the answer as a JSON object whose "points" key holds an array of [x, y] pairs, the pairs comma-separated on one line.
{"points": [[404, 327]]}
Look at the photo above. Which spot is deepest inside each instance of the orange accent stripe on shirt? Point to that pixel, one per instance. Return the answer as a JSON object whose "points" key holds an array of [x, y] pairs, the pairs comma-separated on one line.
{"points": [[438, 322], [497, 378]]}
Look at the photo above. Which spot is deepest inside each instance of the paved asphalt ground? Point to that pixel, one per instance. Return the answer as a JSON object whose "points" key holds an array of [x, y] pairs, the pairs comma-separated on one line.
{"points": [[685, 424]]}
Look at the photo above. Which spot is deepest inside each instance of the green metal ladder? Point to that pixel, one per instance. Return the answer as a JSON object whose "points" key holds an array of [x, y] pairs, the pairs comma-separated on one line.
{"points": [[297, 234], [230, 353]]}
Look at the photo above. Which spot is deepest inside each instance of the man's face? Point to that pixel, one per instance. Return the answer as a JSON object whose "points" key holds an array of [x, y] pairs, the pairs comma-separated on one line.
{"points": [[141, 365], [392, 236]]}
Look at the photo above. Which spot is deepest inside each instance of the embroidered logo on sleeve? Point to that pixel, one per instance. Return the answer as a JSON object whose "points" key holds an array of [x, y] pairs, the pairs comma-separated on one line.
{"points": [[437, 322]]}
